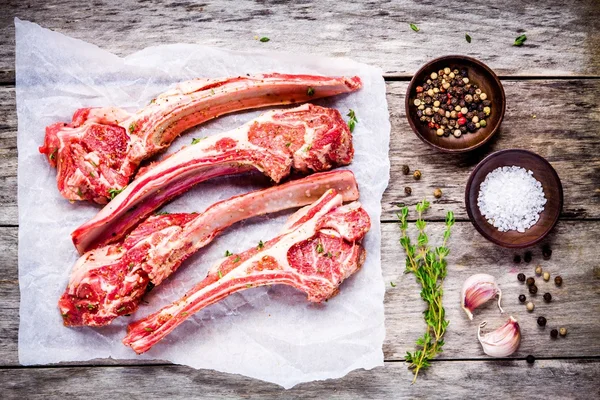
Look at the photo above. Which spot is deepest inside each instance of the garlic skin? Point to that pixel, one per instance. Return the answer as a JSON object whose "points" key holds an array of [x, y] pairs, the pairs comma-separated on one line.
{"points": [[479, 289], [503, 341]]}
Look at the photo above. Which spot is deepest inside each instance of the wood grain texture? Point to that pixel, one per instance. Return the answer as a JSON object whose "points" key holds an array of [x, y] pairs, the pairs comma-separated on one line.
{"points": [[561, 40], [575, 305], [450, 380], [564, 131]]}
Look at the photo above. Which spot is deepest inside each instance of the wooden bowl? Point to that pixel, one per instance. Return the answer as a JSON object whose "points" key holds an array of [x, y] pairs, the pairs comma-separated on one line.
{"points": [[478, 73], [542, 171]]}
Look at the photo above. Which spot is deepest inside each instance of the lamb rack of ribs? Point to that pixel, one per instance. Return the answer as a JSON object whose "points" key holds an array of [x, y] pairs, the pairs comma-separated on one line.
{"points": [[306, 138], [316, 250], [98, 152], [110, 281]]}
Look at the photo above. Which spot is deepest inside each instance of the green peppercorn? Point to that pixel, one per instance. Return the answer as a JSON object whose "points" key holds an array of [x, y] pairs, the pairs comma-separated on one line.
{"points": [[437, 193], [547, 297], [541, 321], [522, 298], [558, 280], [533, 289], [530, 359], [405, 169], [417, 174], [530, 281], [521, 277]]}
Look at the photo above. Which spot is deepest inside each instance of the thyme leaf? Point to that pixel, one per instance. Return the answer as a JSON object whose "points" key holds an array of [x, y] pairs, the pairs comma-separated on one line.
{"points": [[414, 28], [520, 40]]}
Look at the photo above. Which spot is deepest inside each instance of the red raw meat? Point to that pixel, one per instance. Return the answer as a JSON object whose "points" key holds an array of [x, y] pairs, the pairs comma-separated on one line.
{"points": [[317, 249], [98, 152], [110, 281], [306, 138]]}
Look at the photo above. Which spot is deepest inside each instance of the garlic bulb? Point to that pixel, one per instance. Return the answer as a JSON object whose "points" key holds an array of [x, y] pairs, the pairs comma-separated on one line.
{"points": [[478, 289], [503, 341]]}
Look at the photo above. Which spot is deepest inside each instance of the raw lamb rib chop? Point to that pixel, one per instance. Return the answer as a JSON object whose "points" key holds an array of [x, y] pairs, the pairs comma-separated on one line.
{"points": [[98, 152], [110, 281], [317, 249], [305, 138]]}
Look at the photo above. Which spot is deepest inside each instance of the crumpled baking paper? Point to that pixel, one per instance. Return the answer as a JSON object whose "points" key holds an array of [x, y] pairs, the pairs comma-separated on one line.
{"points": [[273, 334]]}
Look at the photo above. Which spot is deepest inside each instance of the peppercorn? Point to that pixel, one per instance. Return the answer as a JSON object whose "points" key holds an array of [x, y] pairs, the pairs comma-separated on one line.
{"points": [[533, 289], [530, 306], [517, 259], [547, 297], [522, 298], [530, 281], [521, 277], [546, 252], [530, 359], [408, 191], [562, 332], [541, 321], [558, 280], [554, 333], [546, 276], [437, 193], [527, 257], [538, 270], [417, 174], [405, 169]]}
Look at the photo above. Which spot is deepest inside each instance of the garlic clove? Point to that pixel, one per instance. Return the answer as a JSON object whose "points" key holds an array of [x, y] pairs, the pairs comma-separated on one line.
{"points": [[479, 289], [503, 341]]}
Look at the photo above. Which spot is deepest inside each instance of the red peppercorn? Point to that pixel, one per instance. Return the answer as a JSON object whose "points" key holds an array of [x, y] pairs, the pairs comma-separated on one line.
{"points": [[419, 89], [459, 114], [431, 124], [462, 121]]}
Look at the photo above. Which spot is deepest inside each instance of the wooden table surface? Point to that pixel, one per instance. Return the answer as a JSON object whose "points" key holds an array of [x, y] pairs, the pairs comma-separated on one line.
{"points": [[551, 85]]}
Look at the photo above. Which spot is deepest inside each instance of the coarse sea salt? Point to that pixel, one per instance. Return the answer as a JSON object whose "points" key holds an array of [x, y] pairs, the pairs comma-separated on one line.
{"points": [[510, 198]]}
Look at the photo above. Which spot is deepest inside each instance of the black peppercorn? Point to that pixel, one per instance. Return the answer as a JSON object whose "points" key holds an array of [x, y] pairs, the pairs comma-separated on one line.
{"points": [[558, 280], [408, 191], [541, 321], [530, 359], [522, 298], [547, 297], [546, 252], [527, 257], [405, 168], [530, 281], [521, 277], [533, 289], [517, 259], [554, 333]]}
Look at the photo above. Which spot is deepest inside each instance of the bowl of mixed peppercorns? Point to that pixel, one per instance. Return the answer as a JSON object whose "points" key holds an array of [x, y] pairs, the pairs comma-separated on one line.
{"points": [[455, 103]]}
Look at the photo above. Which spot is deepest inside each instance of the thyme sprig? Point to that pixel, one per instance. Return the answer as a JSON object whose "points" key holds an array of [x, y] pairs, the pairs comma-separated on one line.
{"points": [[429, 267]]}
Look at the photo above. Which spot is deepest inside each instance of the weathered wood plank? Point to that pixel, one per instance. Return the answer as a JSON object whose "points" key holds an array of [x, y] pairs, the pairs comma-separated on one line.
{"points": [[448, 380], [561, 40], [564, 130], [576, 304]]}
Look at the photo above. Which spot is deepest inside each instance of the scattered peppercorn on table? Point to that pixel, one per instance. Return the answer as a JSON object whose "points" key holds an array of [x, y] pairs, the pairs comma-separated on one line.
{"points": [[551, 82]]}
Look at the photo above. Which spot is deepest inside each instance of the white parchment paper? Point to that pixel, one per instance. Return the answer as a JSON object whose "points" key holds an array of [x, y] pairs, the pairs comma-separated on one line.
{"points": [[272, 334]]}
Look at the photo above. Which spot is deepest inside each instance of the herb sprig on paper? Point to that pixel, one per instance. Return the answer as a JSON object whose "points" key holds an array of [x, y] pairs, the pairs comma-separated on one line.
{"points": [[352, 121], [429, 267]]}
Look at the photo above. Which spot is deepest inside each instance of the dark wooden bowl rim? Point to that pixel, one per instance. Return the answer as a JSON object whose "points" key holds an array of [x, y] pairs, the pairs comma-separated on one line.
{"points": [[476, 223], [428, 66]]}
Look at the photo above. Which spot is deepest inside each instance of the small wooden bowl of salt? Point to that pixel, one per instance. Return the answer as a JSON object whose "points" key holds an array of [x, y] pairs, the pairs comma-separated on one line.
{"points": [[514, 198]]}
